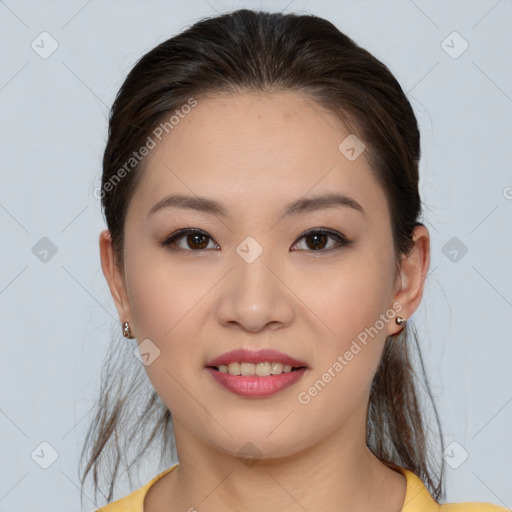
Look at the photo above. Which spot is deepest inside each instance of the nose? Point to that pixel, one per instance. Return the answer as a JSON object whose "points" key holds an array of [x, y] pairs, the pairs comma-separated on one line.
{"points": [[255, 296]]}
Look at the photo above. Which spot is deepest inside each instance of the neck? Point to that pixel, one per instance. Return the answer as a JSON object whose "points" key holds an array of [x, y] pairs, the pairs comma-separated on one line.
{"points": [[332, 475]]}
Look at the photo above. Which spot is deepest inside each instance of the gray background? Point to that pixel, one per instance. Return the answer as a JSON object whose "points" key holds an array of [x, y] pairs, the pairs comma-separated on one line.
{"points": [[57, 315]]}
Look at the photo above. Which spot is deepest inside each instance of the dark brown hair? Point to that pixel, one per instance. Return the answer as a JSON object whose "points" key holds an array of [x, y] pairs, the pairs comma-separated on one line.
{"points": [[265, 52]]}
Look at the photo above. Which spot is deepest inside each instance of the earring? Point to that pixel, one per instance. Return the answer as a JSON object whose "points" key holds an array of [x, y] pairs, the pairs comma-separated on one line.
{"points": [[399, 320], [127, 332]]}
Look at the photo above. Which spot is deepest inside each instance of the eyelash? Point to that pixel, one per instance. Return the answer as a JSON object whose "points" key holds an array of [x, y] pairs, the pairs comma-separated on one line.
{"points": [[341, 239]]}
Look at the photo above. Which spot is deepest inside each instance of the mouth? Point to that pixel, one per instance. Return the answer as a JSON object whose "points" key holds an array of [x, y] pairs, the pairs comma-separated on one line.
{"points": [[261, 369], [255, 374]]}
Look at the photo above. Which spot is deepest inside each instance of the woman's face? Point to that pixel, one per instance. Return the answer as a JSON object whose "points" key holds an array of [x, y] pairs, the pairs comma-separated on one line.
{"points": [[253, 279]]}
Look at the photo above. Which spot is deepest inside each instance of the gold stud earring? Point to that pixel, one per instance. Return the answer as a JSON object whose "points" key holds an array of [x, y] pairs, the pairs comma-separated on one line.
{"points": [[127, 332]]}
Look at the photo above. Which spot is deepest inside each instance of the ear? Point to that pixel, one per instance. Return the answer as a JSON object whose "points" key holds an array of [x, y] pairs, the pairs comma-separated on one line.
{"points": [[411, 277], [114, 277]]}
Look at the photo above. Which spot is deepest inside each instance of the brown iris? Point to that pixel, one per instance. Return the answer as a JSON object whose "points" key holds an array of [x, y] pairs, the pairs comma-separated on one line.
{"points": [[317, 237]]}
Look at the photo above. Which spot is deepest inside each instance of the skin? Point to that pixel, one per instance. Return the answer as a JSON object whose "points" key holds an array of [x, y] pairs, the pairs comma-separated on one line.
{"points": [[255, 153]]}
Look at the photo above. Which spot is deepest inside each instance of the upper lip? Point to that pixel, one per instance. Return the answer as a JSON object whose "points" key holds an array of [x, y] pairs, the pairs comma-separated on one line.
{"points": [[255, 356]]}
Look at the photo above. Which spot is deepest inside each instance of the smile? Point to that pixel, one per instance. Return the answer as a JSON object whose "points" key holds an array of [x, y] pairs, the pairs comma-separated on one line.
{"points": [[260, 369]]}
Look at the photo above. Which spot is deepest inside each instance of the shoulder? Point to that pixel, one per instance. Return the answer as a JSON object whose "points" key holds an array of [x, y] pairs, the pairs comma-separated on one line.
{"points": [[418, 499], [133, 502]]}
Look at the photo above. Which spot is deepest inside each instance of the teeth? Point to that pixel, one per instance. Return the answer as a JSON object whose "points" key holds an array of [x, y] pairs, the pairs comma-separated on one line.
{"points": [[261, 369], [234, 368], [247, 369], [276, 368]]}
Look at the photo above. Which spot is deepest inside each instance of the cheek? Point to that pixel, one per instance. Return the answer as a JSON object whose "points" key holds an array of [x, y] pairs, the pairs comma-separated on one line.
{"points": [[349, 296], [166, 304], [339, 384], [161, 295], [350, 300]]}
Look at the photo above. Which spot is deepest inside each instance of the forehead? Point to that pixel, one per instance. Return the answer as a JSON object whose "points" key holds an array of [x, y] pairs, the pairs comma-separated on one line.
{"points": [[278, 146], [262, 129]]}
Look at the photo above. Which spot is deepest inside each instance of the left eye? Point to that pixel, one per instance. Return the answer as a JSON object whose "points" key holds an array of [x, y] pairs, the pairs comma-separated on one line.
{"points": [[197, 240], [319, 238]]}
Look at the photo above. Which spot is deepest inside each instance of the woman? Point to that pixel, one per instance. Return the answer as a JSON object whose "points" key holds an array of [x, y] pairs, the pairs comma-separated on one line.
{"points": [[260, 186]]}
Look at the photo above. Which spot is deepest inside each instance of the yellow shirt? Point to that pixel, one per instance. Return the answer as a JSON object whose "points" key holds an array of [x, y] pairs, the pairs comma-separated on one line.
{"points": [[417, 499]]}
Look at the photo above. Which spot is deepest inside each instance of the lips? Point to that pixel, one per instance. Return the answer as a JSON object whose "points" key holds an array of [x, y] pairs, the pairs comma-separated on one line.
{"points": [[252, 386], [255, 357]]}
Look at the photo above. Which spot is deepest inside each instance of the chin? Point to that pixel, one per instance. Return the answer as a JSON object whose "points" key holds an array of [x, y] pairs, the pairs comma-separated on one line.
{"points": [[251, 443]]}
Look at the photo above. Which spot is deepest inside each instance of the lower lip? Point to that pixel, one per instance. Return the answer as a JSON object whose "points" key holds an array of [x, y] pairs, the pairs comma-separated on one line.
{"points": [[254, 386]]}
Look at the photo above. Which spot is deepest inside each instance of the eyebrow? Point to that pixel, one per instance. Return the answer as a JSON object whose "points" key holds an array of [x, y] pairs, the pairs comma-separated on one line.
{"points": [[211, 206]]}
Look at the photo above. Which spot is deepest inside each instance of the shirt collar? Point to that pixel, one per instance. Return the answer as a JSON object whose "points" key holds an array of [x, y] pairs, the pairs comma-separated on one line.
{"points": [[417, 496]]}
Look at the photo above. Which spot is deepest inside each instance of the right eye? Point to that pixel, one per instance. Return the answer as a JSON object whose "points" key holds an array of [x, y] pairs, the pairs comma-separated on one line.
{"points": [[196, 239]]}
